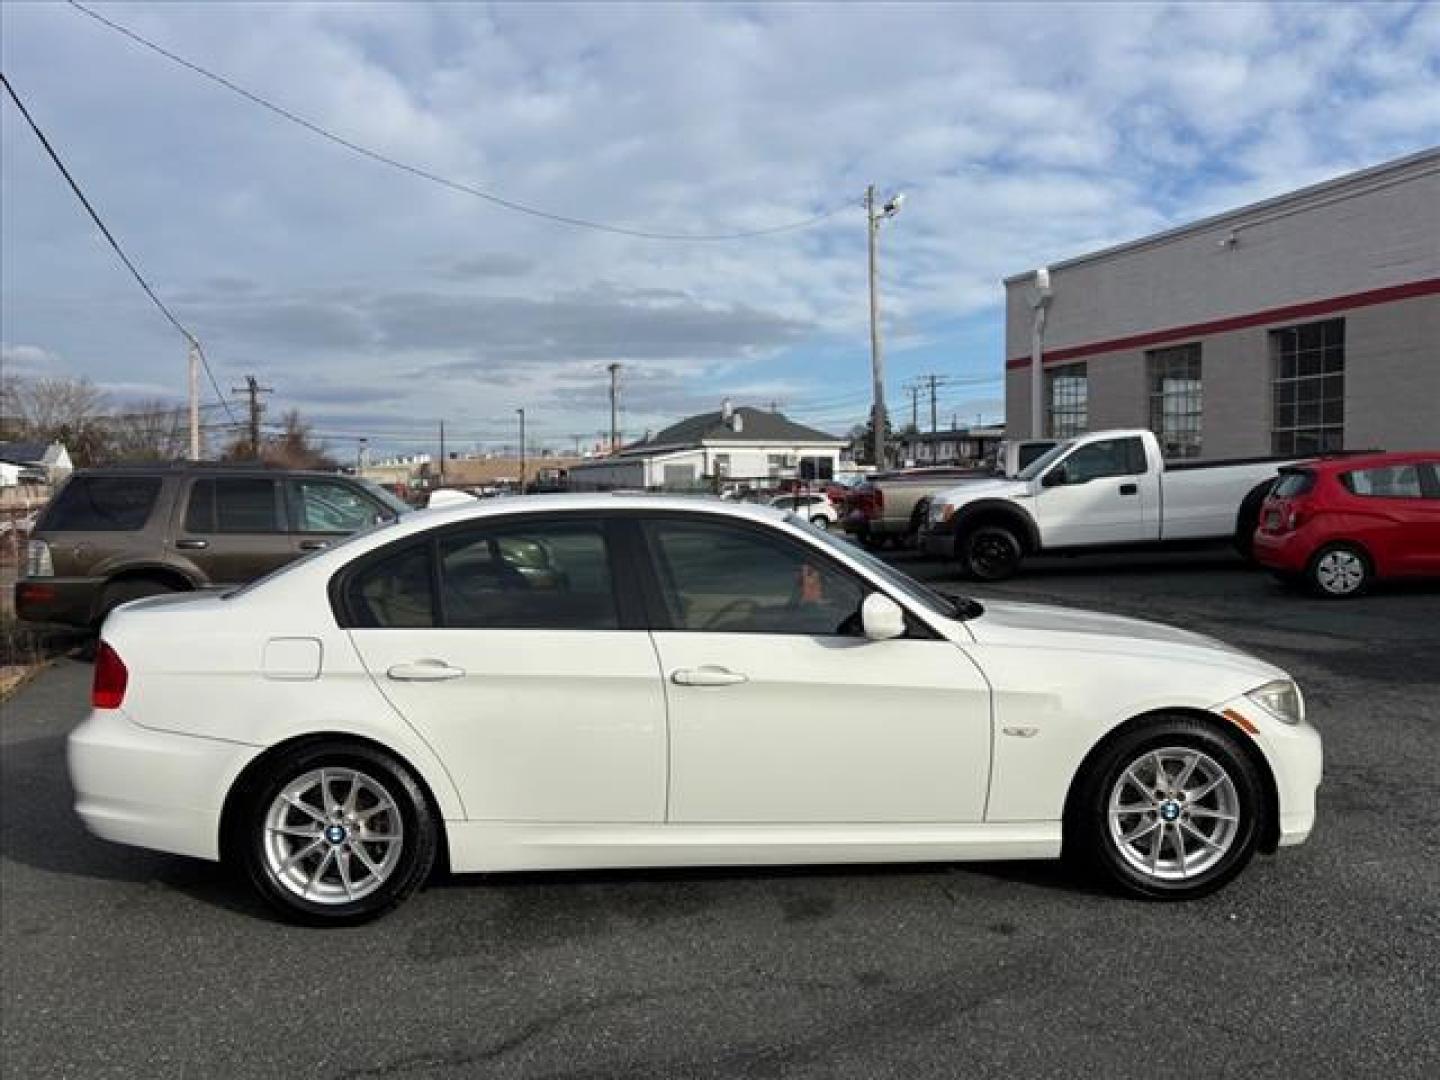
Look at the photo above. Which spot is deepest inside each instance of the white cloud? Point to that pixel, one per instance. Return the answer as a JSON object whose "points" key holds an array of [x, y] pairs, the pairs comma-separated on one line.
{"points": [[1022, 133]]}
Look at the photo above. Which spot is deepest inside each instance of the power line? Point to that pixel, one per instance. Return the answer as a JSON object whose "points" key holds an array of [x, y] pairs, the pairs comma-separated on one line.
{"points": [[110, 237], [435, 178]]}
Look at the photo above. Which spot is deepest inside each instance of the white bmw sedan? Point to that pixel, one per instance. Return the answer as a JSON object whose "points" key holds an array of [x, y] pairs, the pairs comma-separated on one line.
{"points": [[596, 681]]}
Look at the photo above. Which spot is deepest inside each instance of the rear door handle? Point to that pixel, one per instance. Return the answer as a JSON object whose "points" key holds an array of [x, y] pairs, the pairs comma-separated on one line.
{"points": [[424, 671], [194, 545], [709, 675], [1128, 489], [313, 545]]}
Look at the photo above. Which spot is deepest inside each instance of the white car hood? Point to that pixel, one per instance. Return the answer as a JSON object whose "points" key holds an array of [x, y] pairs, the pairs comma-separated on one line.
{"points": [[1006, 622]]}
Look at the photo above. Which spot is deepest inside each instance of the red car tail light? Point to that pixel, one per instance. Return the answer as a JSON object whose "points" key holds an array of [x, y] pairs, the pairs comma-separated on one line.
{"points": [[107, 690]]}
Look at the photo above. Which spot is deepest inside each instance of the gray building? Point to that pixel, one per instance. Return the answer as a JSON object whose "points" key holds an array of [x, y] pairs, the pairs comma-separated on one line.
{"points": [[1304, 323]]}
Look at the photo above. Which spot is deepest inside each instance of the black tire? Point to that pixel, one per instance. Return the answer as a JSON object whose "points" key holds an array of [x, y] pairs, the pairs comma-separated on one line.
{"points": [[1092, 843], [125, 590], [990, 552], [821, 522], [1248, 520], [257, 848], [1339, 572]]}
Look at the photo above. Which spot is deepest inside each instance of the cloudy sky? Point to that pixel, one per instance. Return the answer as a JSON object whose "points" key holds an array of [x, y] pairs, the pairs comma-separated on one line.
{"points": [[380, 303]]}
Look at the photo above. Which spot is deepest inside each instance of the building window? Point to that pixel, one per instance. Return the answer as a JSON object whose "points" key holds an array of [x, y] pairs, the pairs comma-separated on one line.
{"points": [[1307, 366], [1068, 398], [1176, 399], [722, 466]]}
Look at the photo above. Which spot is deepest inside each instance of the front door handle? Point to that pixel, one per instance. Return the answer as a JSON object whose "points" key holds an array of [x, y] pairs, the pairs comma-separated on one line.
{"points": [[424, 671], [1129, 489], [313, 545], [709, 675], [194, 545]]}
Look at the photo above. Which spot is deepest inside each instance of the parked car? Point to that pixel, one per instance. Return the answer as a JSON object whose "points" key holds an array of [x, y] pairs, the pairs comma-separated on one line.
{"points": [[689, 682], [1101, 491], [891, 507], [816, 509], [1339, 524], [114, 535]]}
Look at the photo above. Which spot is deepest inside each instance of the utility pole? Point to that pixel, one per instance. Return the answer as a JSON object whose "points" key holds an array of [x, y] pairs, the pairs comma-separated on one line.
{"points": [[934, 381], [1040, 308], [194, 399], [522, 450], [252, 389], [914, 389], [442, 451], [614, 407], [873, 217]]}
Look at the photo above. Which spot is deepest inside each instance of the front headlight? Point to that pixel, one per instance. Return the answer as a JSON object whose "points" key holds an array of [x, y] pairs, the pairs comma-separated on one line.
{"points": [[1281, 699]]}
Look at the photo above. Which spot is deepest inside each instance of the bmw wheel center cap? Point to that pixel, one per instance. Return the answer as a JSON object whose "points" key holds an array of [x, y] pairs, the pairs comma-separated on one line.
{"points": [[1169, 810], [336, 834]]}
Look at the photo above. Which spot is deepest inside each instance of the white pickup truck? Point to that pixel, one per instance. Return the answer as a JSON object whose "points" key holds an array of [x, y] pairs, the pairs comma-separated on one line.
{"points": [[1104, 489]]}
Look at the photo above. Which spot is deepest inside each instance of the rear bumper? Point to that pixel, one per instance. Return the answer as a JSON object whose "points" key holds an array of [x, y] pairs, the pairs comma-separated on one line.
{"points": [[1287, 552], [70, 601], [153, 789]]}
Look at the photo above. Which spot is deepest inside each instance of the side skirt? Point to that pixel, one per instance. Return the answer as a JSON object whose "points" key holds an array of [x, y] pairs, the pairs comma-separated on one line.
{"points": [[480, 846]]}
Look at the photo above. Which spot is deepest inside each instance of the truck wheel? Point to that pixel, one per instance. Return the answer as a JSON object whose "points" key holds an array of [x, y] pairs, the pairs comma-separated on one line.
{"points": [[991, 552], [1248, 520]]}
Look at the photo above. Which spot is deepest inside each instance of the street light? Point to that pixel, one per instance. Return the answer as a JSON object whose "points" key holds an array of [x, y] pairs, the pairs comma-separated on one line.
{"points": [[1040, 305], [874, 215]]}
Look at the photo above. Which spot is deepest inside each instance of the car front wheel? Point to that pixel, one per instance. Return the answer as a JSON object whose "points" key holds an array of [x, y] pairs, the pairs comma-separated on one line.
{"points": [[1171, 810], [821, 522], [336, 835]]}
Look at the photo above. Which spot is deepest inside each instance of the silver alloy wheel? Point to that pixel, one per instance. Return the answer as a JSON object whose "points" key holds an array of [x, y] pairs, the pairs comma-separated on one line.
{"points": [[333, 835], [821, 522], [1174, 813], [1340, 572]]}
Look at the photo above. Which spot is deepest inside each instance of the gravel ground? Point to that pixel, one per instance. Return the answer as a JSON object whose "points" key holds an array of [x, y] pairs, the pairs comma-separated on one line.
{"points": [[1320, 962]]}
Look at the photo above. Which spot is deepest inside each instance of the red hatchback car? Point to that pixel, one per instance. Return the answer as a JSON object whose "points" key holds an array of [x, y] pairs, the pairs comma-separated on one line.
{"points": [[1339, 523]]}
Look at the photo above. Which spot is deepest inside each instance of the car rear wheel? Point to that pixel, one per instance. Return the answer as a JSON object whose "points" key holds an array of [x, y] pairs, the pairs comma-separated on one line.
{"points": [[991, 552], [1339, 571], [821, 522], [336, 835], [1171, 810]]}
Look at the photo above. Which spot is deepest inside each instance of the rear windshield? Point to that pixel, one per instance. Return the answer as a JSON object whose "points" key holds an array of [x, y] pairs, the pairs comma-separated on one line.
{"points": [[102, 504], [1292, 484]]}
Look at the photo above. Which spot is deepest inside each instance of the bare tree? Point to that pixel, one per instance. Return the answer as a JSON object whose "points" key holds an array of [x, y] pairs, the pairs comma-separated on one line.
{"points": [[152, 430], [295, 447], [65, 410]]}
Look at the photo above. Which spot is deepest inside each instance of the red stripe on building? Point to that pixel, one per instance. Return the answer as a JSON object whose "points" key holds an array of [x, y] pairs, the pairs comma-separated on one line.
{"points": [[1309, 310]]}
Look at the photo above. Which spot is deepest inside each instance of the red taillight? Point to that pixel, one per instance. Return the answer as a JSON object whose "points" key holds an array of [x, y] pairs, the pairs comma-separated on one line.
{"points": [[108, 689]]}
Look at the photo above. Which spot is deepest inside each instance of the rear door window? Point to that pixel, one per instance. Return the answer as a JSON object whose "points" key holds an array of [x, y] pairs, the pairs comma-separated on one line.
{"points": [[103, 504], [234, 504], [545, 575], [1388, 482]]}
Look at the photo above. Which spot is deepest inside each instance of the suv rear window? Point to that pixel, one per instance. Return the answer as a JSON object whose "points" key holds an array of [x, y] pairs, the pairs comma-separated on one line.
{"points": [[103, 504], [1292, 484]]}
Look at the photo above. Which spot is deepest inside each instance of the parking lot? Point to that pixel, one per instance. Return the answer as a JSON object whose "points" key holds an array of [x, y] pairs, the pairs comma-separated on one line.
{"points": [[1321, 961]]}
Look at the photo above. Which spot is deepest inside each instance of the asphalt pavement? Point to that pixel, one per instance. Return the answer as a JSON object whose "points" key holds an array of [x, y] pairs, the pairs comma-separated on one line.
{"points": [[1322, 961]]}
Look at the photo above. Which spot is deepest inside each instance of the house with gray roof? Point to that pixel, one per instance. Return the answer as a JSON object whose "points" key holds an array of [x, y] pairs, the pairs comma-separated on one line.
{"points": [[732, 445], [34, 462]]}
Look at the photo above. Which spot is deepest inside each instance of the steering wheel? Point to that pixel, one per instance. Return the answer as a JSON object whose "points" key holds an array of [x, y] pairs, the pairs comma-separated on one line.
{"points": [[748, 606]]}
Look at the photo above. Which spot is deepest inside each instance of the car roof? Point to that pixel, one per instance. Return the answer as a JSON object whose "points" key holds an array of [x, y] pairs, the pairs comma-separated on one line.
{"points": [[1368, 460], [217, 468], [599, 502]]}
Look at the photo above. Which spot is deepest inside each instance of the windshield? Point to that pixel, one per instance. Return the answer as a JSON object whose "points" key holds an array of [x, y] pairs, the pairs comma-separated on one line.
{"points": [[938, 603], [1045, 460]]}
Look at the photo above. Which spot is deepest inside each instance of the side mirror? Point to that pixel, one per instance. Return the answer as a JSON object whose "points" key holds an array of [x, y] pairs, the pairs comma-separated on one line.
{"points": [[1055, 477], [881, 618]]}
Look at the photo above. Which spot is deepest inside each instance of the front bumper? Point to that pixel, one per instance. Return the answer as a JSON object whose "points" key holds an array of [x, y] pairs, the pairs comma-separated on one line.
{"points": [[69, 601], [1296, 756], [153, 789]]}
